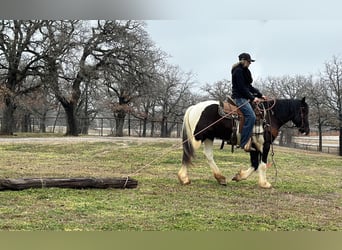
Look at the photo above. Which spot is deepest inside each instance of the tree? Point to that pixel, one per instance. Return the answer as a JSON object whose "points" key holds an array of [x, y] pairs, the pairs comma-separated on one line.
{"points": [[174, 88], [319, 112], [144, 106], [131, 71], [20, 58], [116, 54], [68, 64], [36, 104], [285, 86], [219, 90], [332, 79]]}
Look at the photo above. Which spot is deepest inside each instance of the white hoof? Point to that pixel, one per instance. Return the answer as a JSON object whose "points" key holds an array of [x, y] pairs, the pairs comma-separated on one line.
{"points": [[243, 174], [265, 184], [184, 180]]}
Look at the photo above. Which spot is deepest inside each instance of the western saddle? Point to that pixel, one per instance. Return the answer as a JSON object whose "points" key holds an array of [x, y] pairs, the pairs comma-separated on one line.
{"points": [[230, 110]]}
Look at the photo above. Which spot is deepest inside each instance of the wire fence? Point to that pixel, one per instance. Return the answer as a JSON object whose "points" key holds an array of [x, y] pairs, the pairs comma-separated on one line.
{"points": [[101, 126], [332, 149], [107, 126]]}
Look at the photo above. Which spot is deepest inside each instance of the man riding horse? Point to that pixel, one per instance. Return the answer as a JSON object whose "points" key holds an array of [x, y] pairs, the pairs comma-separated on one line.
{"points": [[203, 122], [242, 92]]}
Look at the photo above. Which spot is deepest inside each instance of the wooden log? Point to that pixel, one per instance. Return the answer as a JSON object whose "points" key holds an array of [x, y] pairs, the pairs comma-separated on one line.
{"points": [[77, 183]]}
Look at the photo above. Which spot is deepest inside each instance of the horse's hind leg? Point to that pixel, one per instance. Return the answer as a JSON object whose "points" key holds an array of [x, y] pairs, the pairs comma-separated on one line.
{"points": [[243, 174], [183, 175], [208, 151]]}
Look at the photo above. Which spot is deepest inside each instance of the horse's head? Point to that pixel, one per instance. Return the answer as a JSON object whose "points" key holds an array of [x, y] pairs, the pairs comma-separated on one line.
{"points": [[301, 117]]}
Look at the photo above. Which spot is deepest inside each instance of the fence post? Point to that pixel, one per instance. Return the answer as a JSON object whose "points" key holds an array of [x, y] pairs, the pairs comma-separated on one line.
{"points": [[129, 124], [101, 126], [140, 133]]}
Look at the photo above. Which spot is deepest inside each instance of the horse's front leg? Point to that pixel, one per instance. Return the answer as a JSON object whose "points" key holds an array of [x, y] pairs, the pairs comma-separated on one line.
{"points": [[263, 167], [208, 151], [244, 174]]}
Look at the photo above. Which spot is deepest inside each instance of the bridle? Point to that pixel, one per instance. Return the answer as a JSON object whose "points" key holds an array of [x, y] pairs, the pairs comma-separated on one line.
{"points": [[263, 109], [302, 117]]}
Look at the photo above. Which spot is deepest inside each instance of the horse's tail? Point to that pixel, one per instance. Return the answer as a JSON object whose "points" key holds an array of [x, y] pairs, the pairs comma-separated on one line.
{"points": [[188, 149]]}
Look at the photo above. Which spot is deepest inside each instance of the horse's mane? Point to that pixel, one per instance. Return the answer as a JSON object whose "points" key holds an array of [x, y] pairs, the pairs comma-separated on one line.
{"points": [[284, 108]]}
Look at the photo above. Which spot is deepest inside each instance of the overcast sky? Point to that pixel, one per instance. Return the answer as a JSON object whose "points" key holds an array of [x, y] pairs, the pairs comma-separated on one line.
{"points": [[285, 37], [208, 48]]}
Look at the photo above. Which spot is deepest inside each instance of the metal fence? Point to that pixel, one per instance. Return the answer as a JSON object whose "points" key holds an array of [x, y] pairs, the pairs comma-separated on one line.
{"points": [[309, 147], [102, 126], [105, 126]]}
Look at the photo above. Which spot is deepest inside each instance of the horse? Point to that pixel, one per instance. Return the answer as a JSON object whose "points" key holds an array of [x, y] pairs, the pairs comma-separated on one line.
{"points": [[202, 124]]}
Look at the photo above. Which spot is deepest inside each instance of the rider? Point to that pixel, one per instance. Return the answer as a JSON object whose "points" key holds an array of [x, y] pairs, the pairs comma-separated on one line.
{"points": [[244, 94]]}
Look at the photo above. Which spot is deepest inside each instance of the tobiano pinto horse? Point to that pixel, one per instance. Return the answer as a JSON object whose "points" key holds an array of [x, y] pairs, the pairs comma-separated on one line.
{"points": [[201, 125]]}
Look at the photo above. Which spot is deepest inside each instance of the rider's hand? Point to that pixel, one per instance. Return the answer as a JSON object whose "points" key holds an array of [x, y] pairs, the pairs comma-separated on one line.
{"points": [[256, 100], [264, 97]]}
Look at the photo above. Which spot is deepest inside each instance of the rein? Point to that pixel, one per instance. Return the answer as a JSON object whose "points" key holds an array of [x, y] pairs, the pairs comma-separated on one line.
{"points": [[263, 106]]}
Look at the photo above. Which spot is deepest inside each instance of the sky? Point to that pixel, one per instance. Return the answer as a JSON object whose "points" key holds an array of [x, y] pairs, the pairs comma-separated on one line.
{"points": [[209, 47], [285, 37]]}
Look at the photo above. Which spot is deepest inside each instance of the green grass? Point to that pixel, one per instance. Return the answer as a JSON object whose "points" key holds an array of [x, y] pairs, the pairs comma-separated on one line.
{"points": [[306, 194]]}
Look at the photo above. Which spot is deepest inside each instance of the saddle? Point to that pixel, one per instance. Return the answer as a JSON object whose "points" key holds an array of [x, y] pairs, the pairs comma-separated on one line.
{"points": [[230, 110]]}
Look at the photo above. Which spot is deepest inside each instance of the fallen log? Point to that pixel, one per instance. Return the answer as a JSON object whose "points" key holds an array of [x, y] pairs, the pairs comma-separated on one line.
{"points": [[76, 183]]}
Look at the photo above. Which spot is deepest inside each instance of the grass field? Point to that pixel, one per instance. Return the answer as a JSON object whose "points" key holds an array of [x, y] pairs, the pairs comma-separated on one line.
{"points": [[306, 194]]}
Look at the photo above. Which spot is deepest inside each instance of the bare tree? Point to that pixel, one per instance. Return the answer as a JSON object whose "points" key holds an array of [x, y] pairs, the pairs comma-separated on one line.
{"points": [[65, 65], [82, 53], [319, 112], [131, 71], [20, 58], [172, 100], [285, 86], [332, 79], [144, 106], [218, 90]]}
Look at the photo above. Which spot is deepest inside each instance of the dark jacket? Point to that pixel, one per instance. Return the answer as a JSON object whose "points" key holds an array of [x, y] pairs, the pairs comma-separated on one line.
{"points": [[242, 84]]}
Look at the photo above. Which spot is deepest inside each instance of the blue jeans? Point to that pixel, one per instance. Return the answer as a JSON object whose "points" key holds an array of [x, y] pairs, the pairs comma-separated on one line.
{"points": [[250, 118]]}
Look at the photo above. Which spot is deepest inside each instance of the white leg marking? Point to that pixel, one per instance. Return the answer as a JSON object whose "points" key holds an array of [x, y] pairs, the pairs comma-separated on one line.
{"points": [[195, 144], [243, 174], [246, 173], [208, 151], [183, 175], [262, 176]]}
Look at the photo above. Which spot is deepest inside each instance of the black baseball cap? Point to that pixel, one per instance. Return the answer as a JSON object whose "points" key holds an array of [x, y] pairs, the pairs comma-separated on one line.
{"points": [[246, 57]]}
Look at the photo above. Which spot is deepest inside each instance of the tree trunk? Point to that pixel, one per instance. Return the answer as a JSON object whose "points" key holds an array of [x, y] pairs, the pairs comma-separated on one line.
{"points": [[320, 146], [72, 126], [119, 126], [84, 126], [119, 123], [163, 127], [144, 127], [26, 124], [152, 121], [42, 123], [170, 128], [8, 124], [340, 137]]}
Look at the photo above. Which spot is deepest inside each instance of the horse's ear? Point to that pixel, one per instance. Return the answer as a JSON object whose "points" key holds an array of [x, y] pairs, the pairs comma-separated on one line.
{"points": [[303, 100]]}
